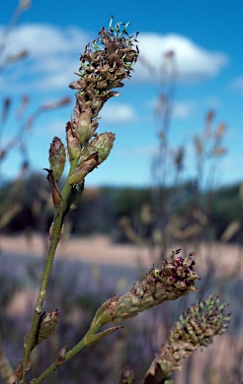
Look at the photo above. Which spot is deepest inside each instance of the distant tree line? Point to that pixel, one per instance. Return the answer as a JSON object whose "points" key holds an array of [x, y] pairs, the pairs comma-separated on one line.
{"points": [[101, 208]]}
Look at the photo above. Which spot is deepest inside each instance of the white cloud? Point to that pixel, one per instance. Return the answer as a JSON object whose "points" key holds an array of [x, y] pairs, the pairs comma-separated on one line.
{"points": [[193, 62], [180, 109], [54, 57], [46, 39], [55, 127], [120, 113], [184, 109]]}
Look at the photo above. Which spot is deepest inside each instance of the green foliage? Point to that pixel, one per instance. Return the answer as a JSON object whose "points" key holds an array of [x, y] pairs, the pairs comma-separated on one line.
{"points": [[128, 201], [227, 206]]}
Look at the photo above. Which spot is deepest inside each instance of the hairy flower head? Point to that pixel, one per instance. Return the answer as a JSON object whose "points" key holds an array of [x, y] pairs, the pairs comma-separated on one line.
{"points": [[195, 329], [175, 278], [105, 63]]}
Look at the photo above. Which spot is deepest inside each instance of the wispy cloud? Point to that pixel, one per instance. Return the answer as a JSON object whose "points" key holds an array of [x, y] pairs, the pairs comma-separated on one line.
{"points": [[46, 39], [56, 127], [194, 62], [120, 113], [184, 109], [54, 54]]}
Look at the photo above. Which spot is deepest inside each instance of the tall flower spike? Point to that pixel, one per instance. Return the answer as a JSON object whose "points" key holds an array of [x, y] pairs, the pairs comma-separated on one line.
{"points": [[175, 278], [105, 63], [195, 329]]}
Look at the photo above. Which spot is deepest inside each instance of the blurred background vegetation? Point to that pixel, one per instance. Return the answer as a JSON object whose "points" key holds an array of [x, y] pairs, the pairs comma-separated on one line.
{"points": [[103, 207]]}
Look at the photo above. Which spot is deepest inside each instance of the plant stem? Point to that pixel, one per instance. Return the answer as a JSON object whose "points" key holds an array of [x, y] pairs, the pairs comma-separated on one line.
{"points": [[57, 224], [76, 349], [59, 214]]}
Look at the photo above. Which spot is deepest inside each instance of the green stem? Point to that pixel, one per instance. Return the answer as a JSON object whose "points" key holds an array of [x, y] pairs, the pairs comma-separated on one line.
{"points": [[59, 214], [57, 224], [76, 349]]}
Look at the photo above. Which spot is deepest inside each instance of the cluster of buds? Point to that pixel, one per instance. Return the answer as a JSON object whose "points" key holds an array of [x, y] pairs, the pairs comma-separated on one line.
{"points": [[194, 330], [105, 63], [175, 278]]}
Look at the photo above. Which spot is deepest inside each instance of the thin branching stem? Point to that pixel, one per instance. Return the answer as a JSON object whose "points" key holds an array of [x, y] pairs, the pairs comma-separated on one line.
{"points": [[57, 224], [85, 342], [56, 230]]}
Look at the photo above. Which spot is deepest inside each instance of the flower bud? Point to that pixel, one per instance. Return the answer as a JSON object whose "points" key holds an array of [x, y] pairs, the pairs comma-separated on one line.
{"points": [[19, 370], [60, 357], [57, 157], [105, 313], [84, 129], [73, 144], [93, 155], [102, 144], [81, 171], [127, 375], [56, 195], [75, 195], [47, 325]]}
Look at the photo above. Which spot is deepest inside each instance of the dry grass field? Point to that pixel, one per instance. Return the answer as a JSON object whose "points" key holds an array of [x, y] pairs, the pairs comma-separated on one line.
{"points": [[97, 250], [101, 250]]}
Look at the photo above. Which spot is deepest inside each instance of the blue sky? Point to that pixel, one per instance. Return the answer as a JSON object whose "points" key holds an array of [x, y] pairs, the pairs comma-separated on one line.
{"points": [[206, 37]]}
